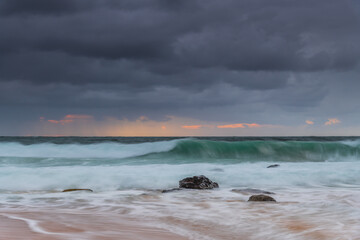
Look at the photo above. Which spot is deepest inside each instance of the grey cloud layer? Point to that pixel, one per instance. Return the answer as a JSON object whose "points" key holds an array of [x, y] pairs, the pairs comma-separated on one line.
{"points": [[157, 55], [163, 37]]}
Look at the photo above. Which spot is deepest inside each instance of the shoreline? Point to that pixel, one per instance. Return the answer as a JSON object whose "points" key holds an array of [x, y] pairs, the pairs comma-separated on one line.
{"points": [[216, 214], [41, 225]]}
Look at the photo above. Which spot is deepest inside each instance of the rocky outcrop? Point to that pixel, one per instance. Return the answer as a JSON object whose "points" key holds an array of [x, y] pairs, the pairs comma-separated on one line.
{"points": [[77, 189], [197, 182], [261, 198], [251, 191], [273, 166]]}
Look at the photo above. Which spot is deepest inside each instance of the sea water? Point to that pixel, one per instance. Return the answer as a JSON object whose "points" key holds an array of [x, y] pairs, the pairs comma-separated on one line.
{"points": [[317, 185]]}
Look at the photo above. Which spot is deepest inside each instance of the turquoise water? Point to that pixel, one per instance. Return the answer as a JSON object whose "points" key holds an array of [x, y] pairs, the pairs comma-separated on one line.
{"points": [[28, 164]]}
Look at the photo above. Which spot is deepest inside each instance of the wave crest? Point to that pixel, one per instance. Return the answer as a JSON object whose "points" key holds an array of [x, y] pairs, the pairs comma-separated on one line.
{"points": [[282, 151], [192, 150]]}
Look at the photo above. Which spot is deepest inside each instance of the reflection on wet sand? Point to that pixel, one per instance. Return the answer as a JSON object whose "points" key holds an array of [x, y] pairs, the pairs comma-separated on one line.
{"points": [[222, 214], [17, 225]]}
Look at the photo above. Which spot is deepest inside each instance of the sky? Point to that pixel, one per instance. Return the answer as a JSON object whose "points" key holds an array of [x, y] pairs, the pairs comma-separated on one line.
{"points": [[179, 67]]}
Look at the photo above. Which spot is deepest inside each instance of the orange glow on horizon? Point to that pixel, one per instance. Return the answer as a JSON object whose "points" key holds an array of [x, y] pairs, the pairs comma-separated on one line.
{"points": [[253, 125], [68, 118], [143, 118], [242, 125], [332, 121], [86, 125], [192, 127], [77, 116], [238, 125], [63, 121], [309, 122], [53, 121]]}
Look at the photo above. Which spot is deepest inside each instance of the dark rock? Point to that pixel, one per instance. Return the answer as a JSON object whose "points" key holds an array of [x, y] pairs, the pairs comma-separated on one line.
{"points": [[198, 182], [251, 190], [273, 166], [261, 198], [171, 190], [77, 189]]}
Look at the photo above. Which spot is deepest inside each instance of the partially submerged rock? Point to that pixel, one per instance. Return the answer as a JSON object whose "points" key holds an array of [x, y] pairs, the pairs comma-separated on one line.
{"points": [[261, 198], [197, 182], [251, 191], [273, 166], [171, 190], [77, 189]]}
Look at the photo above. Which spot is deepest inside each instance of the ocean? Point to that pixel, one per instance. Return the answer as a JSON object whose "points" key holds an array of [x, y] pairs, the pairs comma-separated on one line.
{"points": [[316, 185]]}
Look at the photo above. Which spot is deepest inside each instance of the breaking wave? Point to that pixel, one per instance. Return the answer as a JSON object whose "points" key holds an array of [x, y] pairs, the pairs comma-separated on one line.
{"points": [[192, 150]]}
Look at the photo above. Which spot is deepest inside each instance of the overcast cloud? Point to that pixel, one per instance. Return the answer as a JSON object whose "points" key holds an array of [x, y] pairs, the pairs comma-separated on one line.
{"points": [[278, 62]]}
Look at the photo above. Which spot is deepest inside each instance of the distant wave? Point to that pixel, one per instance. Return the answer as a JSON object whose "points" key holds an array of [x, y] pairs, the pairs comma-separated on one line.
{"points": [[193, 150], [97, 150]]}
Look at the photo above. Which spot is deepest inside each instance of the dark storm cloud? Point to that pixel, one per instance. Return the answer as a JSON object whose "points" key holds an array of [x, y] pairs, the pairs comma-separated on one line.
{"points": [[47, 7], [174, 56], [241, 35]]}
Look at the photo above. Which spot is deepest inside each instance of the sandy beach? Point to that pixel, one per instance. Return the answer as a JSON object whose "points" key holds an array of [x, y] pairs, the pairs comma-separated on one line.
{"points": [[17, 225]]}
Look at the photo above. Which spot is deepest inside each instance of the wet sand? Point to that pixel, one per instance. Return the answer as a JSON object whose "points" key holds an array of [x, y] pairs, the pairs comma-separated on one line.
{"points": [[59, 226]]}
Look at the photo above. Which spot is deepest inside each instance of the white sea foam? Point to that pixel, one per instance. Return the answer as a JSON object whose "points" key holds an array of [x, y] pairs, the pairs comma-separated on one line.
{"points": [[352, 143], [305, 200], [33, 224], [160, 176]]}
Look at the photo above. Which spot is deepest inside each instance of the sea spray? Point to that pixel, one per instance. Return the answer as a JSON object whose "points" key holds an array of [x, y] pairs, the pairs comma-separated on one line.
{"points": [[188, 151], [163, 176]]}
